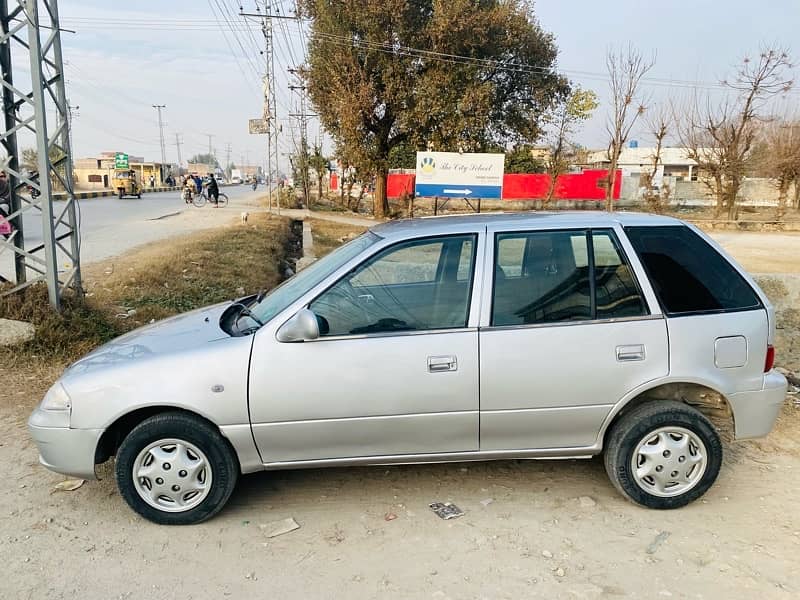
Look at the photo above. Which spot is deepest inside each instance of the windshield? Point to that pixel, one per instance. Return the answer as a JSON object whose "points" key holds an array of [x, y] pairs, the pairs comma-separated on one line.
{"points": [[294, 287]]}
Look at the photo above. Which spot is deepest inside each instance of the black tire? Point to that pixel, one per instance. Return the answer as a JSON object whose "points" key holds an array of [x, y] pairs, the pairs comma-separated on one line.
{"points": [[626, 434], [223, 200], [185, 427]]}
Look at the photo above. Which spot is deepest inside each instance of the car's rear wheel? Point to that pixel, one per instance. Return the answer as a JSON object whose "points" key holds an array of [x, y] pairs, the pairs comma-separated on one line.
{"points": [[663, 454], [176, 469]]}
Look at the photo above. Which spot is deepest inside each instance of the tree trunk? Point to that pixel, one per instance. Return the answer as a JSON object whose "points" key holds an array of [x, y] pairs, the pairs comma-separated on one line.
{"points": [[319, 187], [381, 202], [783, 194], [797, 194], [551, 188], [611, 179]]}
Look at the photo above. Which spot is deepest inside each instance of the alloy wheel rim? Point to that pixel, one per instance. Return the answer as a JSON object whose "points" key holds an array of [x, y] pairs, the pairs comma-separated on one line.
{"points": [[172, 475], [669, 461]]}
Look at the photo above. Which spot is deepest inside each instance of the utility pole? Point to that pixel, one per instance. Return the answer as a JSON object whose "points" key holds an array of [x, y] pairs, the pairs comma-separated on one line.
{"points": [[158, 107], [210, 136], [228, 160], [303, 150], [27, 108], [178, 146], [72, 112]]}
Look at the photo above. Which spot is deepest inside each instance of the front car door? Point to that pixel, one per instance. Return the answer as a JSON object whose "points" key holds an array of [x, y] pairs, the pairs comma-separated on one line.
{"points": [[567, 334], [395, 369]]}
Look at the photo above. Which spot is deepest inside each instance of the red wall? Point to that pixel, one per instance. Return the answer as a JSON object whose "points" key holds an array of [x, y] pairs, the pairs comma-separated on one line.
{"points": [[573, 186]]}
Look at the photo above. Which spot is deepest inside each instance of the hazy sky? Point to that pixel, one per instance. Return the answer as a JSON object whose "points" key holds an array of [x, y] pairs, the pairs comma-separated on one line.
{"points": [[123, 60]]}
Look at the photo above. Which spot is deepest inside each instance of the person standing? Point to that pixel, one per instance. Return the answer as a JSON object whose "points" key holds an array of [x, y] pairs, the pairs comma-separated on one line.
{"points": [[213, 190], [152, 181]]}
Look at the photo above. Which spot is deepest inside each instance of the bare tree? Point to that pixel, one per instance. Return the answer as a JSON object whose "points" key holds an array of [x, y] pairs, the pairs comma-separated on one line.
{"points": [[659, 124], [625, 70], [576, 107], [781, 140], [720, 138]]}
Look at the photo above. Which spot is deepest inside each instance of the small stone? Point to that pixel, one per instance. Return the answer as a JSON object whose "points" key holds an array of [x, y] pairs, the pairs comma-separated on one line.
{"points": [[547, 554], [250, 575], [724, 567], [487, 501], [586, 502], [389, 517], [666, 593], [560, 572]]}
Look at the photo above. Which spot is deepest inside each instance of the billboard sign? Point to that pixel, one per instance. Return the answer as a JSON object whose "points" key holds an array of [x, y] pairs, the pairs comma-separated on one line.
{"points": [[457, 175], [121, 161], [258, 126]]}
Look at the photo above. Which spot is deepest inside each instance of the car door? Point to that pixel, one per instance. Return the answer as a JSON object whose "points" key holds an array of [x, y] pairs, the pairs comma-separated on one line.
{"points": [[569, 333], [394, 370]]}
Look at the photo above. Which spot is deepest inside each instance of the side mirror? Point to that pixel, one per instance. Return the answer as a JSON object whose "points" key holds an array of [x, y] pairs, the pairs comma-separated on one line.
{"points": [[301, 327]]}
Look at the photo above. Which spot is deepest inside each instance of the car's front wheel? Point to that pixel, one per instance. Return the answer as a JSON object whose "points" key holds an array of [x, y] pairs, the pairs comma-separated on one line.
{"points": [[663, 454], [176, 469]]}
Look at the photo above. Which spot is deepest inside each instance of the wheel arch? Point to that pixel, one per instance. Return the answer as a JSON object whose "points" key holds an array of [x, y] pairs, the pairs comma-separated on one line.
{"points": [[112, 437], [701, 395]]}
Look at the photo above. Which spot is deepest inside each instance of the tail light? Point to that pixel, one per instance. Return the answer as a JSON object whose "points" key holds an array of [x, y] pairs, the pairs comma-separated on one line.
{"points": [[770, 361]]}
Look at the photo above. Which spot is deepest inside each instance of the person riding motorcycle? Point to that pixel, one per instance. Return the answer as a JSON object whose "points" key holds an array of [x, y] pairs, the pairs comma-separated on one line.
{"points": [[189, 189]]}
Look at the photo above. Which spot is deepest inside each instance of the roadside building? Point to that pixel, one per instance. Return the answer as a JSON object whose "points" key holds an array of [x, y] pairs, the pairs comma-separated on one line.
{"points": [[674, 162], [97, 172]]}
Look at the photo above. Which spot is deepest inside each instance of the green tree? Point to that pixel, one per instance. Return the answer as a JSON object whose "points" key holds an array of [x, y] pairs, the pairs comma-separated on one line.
{"points": [[454, 74], [520, 160], [204, 159], [573, 109], [403, 156]]}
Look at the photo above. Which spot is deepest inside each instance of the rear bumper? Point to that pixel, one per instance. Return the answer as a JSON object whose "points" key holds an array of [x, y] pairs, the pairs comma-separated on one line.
{"points": [[65, 450], [754, 413]]}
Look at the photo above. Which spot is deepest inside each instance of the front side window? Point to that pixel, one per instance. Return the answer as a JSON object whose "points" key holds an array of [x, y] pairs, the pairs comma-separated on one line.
{"points": [[413, 286], [688, 275], [558, 276]]}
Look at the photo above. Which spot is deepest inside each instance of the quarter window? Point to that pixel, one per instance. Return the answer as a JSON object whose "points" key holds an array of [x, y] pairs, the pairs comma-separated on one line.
{"points": [[557, 276], [688, 275], [416, 285]]}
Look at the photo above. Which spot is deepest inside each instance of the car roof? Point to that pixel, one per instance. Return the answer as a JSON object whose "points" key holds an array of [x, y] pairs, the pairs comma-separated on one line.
{"points": [[517, 220]]}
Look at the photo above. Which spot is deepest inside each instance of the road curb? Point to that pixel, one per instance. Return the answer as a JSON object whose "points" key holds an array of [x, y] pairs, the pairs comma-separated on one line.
{"points": [[109, 193]]}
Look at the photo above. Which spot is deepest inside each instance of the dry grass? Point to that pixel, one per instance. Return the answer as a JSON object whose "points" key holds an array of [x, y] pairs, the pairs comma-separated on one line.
{"points": [[160, 281], [329, 235]]}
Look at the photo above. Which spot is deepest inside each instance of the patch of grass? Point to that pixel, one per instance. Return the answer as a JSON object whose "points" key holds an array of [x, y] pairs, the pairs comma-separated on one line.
{"points": [[329, 235], [154, 283]]}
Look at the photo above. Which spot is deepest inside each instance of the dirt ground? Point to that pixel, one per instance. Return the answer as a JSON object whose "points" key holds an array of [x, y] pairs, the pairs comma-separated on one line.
{"points": [[531, 529]]}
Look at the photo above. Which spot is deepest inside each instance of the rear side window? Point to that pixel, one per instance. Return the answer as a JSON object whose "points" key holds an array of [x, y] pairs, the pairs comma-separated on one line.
{"points": [[557, 276], [688, 275]]}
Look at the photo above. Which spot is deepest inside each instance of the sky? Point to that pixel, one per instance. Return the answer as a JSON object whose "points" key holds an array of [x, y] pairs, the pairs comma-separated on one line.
{"points": [[201, 60]]}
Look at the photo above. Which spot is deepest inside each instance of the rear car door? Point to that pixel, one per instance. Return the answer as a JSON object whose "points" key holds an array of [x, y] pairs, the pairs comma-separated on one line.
{"points": [[569, 332]]}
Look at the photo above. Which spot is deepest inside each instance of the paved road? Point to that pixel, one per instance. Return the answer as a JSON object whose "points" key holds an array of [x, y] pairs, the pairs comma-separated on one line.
{"points": [[110, 226]]}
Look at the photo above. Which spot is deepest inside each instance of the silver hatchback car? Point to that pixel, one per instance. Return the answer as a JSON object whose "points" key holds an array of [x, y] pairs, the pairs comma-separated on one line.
{"points": [[441, 339]]}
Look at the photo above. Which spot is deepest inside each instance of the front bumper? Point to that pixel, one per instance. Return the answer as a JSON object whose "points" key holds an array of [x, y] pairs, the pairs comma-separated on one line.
{"points": [[754, 413], [65, 450]]}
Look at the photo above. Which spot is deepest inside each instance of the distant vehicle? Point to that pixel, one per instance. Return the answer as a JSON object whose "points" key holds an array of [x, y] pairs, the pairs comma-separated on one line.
{"points": [[220, 178], [236, 176], [614, 333]]}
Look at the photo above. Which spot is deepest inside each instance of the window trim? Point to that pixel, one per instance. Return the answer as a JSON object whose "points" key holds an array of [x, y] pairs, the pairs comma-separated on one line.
{"points": [[471, 282], [588, 236], [719, 252]]}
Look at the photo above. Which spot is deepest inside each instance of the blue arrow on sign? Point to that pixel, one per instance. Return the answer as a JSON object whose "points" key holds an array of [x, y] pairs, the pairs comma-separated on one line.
{"points": [[440, 190]]}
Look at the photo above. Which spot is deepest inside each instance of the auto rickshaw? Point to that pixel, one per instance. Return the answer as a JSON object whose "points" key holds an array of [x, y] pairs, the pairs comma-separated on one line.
{"points": [[125, 183]]}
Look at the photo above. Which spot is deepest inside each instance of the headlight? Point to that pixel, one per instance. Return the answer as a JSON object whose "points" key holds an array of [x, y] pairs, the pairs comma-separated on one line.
{"points": [[56, 399]]}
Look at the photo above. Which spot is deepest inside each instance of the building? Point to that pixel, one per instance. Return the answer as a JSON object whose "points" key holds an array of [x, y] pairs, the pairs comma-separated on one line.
{"points": [[675, 162], [97, 173]]}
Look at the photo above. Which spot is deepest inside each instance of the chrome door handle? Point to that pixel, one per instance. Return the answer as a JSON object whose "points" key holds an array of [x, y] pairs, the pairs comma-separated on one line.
{"points": [[441, 364], [630, 353]]}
